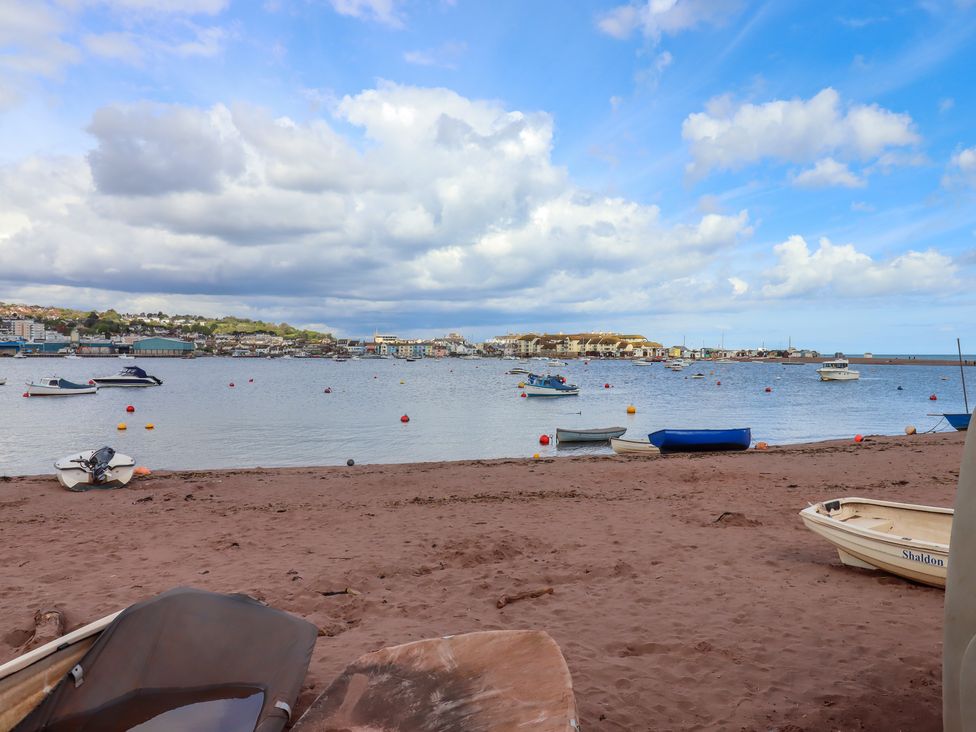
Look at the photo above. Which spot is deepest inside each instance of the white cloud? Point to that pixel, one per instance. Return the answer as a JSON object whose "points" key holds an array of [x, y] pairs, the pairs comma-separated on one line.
{"points": [[385, 12], [445, 56], [655, 18], [451, 204], [840, 269], [728, 136], [739, 286], [120, 46], [828, 172], [181, 7], [962, 169]]}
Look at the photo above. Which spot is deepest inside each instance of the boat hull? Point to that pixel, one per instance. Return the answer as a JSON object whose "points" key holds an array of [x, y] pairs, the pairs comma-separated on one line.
{"points": [[838, 375], [489, 680], [598, 435], [701, 440], [864, 541], [958, 422], [633, 447], [544, 391], [109, 381], [74, 477]]}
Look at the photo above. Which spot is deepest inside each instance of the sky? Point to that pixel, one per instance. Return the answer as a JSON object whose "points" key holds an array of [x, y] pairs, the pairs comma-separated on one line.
{"points": [[698, 171]]}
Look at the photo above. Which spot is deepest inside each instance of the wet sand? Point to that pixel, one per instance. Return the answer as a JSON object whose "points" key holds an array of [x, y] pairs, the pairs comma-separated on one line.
{"points": [[686, 593]]}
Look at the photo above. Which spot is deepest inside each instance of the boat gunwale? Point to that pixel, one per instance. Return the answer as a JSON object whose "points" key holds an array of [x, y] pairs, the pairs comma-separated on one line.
{"points": [[810, 514]]}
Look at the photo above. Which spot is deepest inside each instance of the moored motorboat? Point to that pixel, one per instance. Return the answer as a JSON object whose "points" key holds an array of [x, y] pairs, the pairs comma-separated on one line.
{"points": [[593, 435], [699, 375], [129, 376], [55, 386], [642, 362], [549, 386], [3, 380], [701, 440], [633, 447], [908, 540], [102, 468], [837, 370], [491, 681], [127, 357], [517, 371]]}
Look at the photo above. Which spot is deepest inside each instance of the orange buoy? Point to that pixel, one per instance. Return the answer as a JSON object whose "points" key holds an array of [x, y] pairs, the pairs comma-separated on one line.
{"points": [[910, 430], [150, 426], [142, 470], [130, 409], [404, 419], [121, 426], [858, 438], [544, 439], [932, 397], [761, 445], [631, 409], [535, 456]]}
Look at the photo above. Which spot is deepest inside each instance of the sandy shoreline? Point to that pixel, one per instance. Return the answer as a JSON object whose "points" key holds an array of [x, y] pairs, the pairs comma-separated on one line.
{"points": [[687, 594]]}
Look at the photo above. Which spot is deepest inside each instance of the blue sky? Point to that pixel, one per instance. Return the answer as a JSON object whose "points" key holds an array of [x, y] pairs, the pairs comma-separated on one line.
{"points": [[688, 169]]}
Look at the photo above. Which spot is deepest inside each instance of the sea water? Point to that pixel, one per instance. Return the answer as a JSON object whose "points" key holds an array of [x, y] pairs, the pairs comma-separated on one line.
{"points": [[279, 414]]}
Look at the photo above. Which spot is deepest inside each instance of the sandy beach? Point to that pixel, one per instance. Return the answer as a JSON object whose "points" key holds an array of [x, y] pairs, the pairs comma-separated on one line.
{"points": [[686, 593]]}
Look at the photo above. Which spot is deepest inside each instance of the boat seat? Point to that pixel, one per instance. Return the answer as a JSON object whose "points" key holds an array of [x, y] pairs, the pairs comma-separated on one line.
{"points": [[872, 523]]}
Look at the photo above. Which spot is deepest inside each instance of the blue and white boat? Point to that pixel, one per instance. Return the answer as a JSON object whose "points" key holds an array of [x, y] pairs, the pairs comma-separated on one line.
{"points": [[701, 440], [55, 386], [958, 422], [549, 386]]}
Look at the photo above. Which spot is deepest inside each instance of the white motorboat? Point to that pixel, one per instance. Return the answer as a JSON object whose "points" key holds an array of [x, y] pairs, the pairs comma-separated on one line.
{"points": [[20, 354], [595, 435], [905, 539], [73, 355], [642, 362], [129, 376], [837, 370], [633, 447], [127, 357], [557, 363], [55, 386], [3, 380], [103, 468]]}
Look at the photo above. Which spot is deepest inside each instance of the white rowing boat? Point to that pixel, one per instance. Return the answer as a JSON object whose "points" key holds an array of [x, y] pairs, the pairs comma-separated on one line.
{"points": [[633, 447], [905, 539], [596, 435]]}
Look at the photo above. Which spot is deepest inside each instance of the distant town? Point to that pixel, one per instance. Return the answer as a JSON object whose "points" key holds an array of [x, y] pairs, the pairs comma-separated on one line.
{"points": [[30, 330]]}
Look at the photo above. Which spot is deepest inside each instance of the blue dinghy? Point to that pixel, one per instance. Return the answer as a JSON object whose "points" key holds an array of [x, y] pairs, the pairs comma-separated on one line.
{"points": [[958, 421], [701, 440]]}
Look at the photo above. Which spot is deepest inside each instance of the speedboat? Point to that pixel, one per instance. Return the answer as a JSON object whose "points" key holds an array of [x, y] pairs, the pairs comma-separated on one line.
{"points": [[699, 375], [129, 376], [20, 354], [557, 363], [642, 362], [103, 468], [905, 539], [127, 357], [837, 370], [55, 386], [596, 435]]}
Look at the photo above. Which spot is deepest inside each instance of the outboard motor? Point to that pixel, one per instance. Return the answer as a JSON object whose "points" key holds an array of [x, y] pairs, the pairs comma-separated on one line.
{"points": [[98, 463]]}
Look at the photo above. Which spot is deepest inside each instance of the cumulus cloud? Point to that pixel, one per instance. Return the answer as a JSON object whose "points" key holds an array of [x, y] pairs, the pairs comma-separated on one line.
{"points": [[385, 12], [728, 135], [842, 270], [961, 170], [654, 18], [828, 172], [440, 203]]}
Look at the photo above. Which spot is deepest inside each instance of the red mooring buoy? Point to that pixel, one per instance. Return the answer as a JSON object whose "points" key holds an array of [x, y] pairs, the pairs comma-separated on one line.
{"points": [[544, 440], [404, 419]]}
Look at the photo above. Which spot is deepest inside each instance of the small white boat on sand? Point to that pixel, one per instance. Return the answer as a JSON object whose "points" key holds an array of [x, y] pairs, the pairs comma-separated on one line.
{"points": [[54, 386], [596, 435], [837, 370], [908, 540], [103, 468], [633, 447]]}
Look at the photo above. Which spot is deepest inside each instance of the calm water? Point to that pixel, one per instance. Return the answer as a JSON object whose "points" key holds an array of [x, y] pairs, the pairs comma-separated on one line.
{"points": [[458, 409]]}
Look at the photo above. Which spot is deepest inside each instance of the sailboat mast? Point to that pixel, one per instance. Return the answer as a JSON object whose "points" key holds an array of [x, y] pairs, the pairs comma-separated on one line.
{"points": [[962, 373]]}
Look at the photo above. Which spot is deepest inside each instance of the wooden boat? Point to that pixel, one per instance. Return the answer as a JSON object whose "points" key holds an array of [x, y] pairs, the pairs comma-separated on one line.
{"points": [[184, 660], [701, 440], [103, 468], [53, 386], [633, 447], [595, 435], [27, 679], [905, 539], [490, 681]]}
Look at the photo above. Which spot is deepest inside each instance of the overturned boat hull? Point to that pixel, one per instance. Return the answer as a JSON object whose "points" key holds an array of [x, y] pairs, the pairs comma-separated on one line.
{"points": [[491, 681], [701, 440]]}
